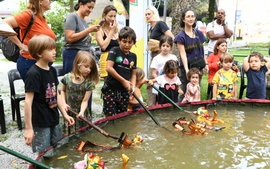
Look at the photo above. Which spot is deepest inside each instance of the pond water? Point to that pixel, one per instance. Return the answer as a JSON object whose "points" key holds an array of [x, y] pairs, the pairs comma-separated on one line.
{"points": [[244, 143]]}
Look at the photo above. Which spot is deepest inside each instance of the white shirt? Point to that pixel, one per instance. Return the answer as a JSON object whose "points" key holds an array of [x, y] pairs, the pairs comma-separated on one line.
{"points": [[159, 61], [218, 30]]}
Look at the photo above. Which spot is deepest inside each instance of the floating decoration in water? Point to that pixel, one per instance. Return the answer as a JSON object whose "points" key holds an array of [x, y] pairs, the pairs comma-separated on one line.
{"points": [[204, 116], [90, 161], [123, 142], [195, 128], [125, 161], [136, 141]]}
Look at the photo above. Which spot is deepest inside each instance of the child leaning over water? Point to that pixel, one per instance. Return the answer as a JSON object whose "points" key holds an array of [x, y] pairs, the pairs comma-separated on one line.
{"points": [[255, 70], [78, 85], [121, 68], [140, 80], [225, 79], [42, 128], [169, 83]]}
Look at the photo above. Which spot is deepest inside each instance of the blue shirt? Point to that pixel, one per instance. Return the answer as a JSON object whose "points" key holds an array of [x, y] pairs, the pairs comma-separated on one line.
{"points": [[256, 86]]}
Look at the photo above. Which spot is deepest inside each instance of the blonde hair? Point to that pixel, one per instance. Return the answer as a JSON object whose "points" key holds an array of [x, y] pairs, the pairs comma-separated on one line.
{"points": [[38, 43], [155, 16], [81, 58], [139, 74]]}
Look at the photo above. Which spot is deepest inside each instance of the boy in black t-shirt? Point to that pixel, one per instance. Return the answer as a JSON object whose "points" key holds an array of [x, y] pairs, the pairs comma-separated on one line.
{"points": [[121, 68], [42, 128]]}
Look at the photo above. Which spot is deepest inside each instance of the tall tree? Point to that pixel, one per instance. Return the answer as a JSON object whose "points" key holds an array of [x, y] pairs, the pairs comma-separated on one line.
{"points": [[211, 9]]}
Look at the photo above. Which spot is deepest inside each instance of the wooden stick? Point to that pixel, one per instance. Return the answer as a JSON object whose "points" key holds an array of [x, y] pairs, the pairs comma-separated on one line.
{"points": [[94, 126]]}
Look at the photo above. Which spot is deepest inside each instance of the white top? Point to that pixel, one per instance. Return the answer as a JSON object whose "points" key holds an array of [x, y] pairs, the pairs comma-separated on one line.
{"points": [[159, 61], [218, 30]]}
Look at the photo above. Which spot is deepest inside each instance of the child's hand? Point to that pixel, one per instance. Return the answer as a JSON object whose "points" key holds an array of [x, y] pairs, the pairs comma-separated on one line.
{"points": [[150, 82], [145, 81], [69, 119], [180, 91], [214, 98], [66, 107], [127, 85], [81, 114]]}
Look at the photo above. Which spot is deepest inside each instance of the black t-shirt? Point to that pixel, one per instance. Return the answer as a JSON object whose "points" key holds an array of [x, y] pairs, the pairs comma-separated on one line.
{"points": [[123, 65], [158, 30], [44, 85]]}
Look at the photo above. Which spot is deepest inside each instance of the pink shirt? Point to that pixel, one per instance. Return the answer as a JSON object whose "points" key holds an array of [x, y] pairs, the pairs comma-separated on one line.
{"points": [[193, 93]]}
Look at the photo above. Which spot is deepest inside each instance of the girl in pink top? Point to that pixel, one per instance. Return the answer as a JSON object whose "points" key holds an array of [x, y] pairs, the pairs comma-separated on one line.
{"points": [[193, 93]]}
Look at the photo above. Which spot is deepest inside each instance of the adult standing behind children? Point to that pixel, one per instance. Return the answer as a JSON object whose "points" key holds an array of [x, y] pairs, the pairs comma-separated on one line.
{"points": [[255, 71], [157, 29], [42, 128], [107, 36], [77, 33], [190, 45], [121, 68], [40, 26], [78, 85], [217, 29]]}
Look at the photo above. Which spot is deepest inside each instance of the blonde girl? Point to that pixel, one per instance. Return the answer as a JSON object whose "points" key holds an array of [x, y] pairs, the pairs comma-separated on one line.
{"points": [[78, 85]]}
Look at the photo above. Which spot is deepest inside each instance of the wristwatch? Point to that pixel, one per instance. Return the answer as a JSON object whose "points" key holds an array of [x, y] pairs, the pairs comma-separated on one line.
{"points": [[223, 24]]}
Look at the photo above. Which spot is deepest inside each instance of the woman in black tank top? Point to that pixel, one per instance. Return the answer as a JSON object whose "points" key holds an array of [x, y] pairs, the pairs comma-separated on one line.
{"points": [[107, 36]]}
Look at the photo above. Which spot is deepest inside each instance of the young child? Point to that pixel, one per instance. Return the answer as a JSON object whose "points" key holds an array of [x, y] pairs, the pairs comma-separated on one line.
{"points": [[158, 62], [225, 79], [78, 85], [169, 83], [42, 128], [121, 68], [255, 71], [133, 103], [193, 87]]}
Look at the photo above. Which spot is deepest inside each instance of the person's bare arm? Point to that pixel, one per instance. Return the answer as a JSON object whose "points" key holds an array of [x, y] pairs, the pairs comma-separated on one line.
{"points": [[228, 32], [13, 24], [84, 103], [72, 36], [246, 64], [29, 131], [214, 92], [103, 43], [113, 73], [214, 36], [169, 33], [133, 79]]}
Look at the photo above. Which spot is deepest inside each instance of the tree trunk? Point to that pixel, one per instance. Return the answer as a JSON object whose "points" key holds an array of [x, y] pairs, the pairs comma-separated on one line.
{"points": [[71, 5], [211, 10]]}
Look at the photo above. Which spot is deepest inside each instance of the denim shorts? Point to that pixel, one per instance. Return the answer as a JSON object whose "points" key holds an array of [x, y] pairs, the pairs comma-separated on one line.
{"points": [[46, 137]]}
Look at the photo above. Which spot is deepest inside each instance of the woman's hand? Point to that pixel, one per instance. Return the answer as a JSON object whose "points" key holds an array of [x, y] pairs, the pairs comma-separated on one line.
{"points": [[94, 28], [113, 25]]}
